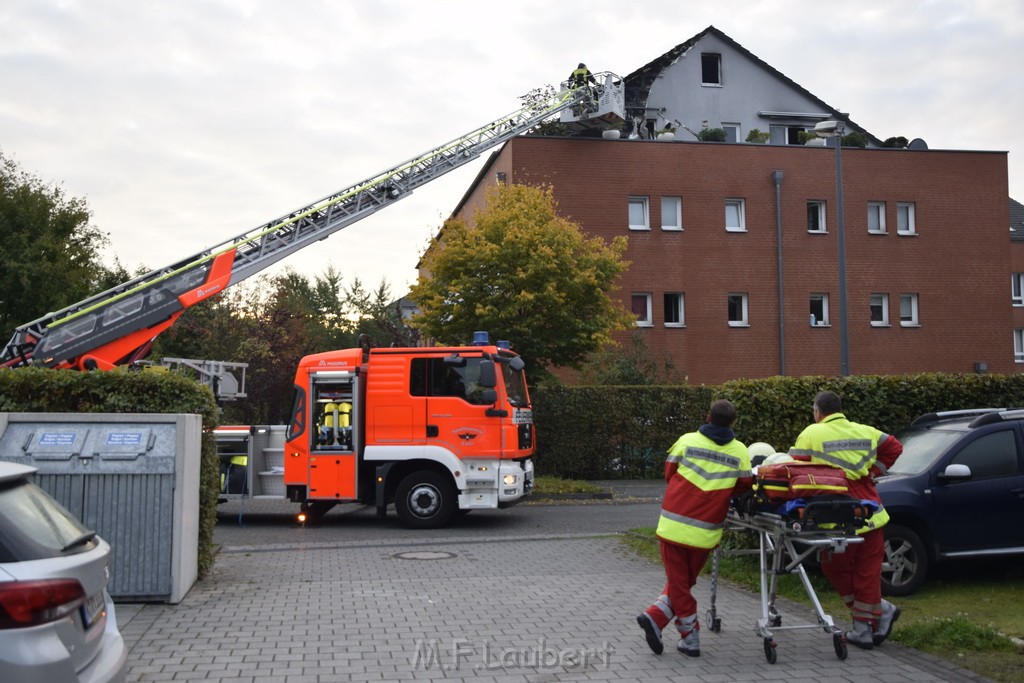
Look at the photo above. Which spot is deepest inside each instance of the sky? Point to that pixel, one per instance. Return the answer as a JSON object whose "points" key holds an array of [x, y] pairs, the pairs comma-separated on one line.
{"points": [[185, 123]]}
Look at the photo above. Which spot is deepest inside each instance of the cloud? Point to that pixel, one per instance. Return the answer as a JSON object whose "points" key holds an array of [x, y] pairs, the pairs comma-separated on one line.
{"points": [[184, 123]]}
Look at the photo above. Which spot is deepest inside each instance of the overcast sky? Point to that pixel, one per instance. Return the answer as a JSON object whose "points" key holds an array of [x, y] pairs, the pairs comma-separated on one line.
{"points": [[185, 122]]}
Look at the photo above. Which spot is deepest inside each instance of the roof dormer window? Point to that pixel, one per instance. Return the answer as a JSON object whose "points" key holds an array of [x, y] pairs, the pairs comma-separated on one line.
{"points": [[711, 68]]}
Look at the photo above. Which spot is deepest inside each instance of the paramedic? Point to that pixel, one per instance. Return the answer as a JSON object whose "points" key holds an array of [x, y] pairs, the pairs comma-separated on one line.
{"points": [[704, 470], [864, 453]]}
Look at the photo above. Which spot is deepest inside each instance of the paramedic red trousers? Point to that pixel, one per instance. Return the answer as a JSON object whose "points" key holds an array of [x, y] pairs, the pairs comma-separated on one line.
{"points": [[857, 575], [682, 566]]}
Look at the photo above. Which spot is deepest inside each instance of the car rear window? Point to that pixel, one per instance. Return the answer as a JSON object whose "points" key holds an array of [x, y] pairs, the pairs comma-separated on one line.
{"points": [[920, 449], [34, 526]]}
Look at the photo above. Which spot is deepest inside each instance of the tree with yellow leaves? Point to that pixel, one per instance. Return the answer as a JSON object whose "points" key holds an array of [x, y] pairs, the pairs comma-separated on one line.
{"points": [[526, 274]]}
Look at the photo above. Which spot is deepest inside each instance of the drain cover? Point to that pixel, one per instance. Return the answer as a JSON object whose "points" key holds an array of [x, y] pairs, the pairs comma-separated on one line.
{"points": [[424, 555]]}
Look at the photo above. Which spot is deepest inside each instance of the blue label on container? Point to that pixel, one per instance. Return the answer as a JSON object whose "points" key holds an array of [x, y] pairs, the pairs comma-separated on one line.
{"points": [[58, 438], [124, 439]]}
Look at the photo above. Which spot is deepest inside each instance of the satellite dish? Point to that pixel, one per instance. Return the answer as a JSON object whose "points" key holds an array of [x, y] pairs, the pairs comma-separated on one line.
{"points": [[917, 144]]}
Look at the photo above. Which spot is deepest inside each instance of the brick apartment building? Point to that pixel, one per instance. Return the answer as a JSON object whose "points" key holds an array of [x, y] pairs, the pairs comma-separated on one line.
{"points": [[734, 245], [926, 284]]}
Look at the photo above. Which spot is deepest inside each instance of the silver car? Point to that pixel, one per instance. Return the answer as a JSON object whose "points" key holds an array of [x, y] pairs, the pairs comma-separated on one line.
{"points": [[57, 621]]}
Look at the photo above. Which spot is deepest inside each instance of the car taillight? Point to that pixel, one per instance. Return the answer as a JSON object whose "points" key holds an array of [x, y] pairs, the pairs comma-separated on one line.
{"points": [[31, 603]]}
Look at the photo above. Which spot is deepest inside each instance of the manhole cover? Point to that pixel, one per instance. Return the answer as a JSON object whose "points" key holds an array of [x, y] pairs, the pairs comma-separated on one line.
{"points": [[424, 555]]}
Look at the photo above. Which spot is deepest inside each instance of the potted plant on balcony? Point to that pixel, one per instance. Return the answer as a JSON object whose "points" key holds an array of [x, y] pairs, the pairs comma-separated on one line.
{"points": [[758, 137], [666, 133], [613, 131]]}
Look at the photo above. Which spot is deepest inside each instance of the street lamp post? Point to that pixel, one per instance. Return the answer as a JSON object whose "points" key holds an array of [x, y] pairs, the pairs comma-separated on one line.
{"points": [[835, 129]]}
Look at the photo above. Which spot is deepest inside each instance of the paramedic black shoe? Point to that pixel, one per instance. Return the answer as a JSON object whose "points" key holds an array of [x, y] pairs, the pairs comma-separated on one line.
{"points": [[861, 635], [890, 613], [689, 636], [651, 632]]}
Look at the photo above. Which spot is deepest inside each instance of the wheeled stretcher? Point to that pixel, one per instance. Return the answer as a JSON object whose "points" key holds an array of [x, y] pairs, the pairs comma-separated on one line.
{"points": [[786, 537]]}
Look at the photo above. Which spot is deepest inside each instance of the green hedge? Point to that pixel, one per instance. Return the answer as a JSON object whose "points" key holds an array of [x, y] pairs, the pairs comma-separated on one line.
{"points": [[623, 432], [38, 390]]}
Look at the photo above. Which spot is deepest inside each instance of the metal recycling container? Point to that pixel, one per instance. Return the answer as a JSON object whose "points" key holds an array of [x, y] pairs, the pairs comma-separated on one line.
{"points": [[133, 478]]}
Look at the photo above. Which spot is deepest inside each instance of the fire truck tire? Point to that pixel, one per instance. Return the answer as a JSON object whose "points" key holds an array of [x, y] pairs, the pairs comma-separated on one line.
{"points": [[424, 500]]}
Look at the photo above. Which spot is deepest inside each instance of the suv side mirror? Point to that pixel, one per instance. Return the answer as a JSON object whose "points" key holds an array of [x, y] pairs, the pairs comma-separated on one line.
{"points": [[955, 473]]}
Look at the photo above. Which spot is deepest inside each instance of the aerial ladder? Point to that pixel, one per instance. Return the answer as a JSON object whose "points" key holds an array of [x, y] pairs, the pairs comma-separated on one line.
{"points": [[120, 325]]}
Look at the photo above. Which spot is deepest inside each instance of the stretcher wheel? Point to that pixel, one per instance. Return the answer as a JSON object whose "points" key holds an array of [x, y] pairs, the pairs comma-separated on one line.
{"points": [[769, 650], [839, 643], [716, 624]]}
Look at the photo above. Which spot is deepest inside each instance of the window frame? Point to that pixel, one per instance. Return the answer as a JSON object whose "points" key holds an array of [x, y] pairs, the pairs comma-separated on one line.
{"points": [[679, 308], [741, 210], [879, 210], [1018, 346], [821, 207], [911, 211], [884, 303], [736, 130], [678, 211], [648, 320], [744, 320], [1017, 289], [705, 63], [914, 299], [823, 298], [645, 202]]}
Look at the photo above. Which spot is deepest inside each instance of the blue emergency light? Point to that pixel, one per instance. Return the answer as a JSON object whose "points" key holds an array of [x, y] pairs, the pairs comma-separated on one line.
{"points": [[481, 338]]}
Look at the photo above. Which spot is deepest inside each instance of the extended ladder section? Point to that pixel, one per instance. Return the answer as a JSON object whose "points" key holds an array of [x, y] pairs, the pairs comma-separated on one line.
{"points": [[119, 325]]}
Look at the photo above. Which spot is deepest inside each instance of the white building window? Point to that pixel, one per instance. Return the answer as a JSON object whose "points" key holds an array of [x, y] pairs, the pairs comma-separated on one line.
{"points": [[640, 304], [1017, 285], [880, 310], [671, 213], [674, 310], [1018, 346], [735, 218], [905, 224], [816, 216], [876, 218], [819, 310], [732, 132], [639, 213], [738, 310], [908, 310]]}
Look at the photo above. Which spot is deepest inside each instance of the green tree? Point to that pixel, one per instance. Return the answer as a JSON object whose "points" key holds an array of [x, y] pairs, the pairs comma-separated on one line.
{"points": [[525, 274], [49, 254]]}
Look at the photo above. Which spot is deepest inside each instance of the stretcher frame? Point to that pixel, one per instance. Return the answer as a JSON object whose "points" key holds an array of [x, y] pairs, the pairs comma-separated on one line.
{"points": [[778, 551]]}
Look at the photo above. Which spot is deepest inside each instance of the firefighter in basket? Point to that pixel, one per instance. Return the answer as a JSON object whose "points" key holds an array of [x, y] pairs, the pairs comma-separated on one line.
{"points": [[704, 470], [864, 453]]}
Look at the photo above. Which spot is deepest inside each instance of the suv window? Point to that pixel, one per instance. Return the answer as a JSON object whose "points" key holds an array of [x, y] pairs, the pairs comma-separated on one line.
{"points": [[33, 526], [991, 455], [920, 449]]}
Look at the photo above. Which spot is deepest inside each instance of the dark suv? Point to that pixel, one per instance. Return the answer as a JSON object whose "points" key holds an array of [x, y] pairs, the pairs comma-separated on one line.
{"points": [[956, 491]]}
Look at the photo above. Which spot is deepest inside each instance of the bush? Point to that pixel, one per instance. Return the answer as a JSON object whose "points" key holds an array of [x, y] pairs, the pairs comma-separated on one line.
{"points": [[624, 432], [711, 135], [40, 390]]}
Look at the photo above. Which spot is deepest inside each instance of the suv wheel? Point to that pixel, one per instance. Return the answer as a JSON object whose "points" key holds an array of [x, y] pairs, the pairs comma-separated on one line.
{"points": [[906, 561]]}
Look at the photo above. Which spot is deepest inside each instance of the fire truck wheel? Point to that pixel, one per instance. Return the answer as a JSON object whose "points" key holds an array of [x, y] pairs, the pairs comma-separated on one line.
{"points": [[424, 500]]}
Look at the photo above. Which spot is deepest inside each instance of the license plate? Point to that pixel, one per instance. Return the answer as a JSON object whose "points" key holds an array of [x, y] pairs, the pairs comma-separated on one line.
{"points": [[93, 609]]}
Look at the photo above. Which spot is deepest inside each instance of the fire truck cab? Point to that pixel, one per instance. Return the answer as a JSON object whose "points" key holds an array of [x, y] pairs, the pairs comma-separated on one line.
{"points": [[436, 431]]}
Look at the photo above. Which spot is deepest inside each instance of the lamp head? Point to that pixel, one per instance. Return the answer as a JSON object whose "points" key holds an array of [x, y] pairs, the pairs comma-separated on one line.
{"points": [[828, 129]]}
